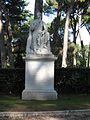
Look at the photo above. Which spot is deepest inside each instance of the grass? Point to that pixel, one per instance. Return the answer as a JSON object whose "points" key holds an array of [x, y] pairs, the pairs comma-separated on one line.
{"points": [[66, 102]]}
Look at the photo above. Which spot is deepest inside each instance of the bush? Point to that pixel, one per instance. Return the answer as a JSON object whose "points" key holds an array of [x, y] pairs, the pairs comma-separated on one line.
{"points": [[12, 81], [67, 81], [72, 80]]}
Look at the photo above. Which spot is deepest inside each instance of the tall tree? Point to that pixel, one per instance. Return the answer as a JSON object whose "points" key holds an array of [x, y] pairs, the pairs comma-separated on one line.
{"points": [[88, 65], [73, 23], [56, 29], [38, 9], [9, 38], [79, 7], [13, 15], [65, 42], [82, 45], [2, 44]]}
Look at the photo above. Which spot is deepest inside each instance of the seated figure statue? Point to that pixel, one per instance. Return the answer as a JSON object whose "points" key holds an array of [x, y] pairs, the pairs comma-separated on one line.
{"points": [[38, 40]]}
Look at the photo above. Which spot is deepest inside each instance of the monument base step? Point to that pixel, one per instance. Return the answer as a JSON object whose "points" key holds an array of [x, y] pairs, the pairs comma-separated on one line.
{"points": [[39, 95]]}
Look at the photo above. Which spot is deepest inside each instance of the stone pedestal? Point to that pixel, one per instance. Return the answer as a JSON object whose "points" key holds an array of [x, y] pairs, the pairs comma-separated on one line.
{"points": [[39, 78]]}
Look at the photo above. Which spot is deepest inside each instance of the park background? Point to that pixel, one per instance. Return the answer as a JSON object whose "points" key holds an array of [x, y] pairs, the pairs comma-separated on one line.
{"points": [[72, 72]]}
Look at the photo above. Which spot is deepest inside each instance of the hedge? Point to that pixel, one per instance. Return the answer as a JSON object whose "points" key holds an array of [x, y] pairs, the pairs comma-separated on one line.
{"points": [[12, 81], [67, 81], [72, 80]]}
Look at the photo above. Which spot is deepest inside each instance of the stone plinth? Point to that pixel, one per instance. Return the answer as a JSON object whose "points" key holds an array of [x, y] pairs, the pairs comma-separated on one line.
{"points": [[39, 78]]}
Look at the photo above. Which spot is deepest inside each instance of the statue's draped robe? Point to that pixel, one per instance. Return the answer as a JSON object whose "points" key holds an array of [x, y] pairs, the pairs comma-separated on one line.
{"points": [[38, 40]]}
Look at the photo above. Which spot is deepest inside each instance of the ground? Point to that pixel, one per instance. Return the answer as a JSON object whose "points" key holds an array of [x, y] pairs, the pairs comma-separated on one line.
{"points": [[66, 102], [31, 109]]}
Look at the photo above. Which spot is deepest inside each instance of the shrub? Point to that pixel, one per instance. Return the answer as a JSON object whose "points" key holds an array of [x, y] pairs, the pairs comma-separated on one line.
{"points": [[72, 80], [67, 81], [12, 81]]}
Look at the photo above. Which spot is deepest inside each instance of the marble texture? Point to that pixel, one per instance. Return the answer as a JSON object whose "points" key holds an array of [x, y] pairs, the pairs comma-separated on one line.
{"points": [[39, 64], [38, 40], [39, 79]]}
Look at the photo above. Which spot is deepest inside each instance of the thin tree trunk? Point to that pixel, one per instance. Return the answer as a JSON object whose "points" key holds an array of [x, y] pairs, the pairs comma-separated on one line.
{"points": [[82, 46], [89, 56], [38, 9], [2, 47], [9, 46], [9, 34], [74, 41], [57, 23], [65, 42], [59, 7]]}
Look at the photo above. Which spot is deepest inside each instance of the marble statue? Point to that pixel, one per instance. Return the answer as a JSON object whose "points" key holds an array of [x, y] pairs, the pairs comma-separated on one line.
{"points": [[39, 64], [38, 40]]}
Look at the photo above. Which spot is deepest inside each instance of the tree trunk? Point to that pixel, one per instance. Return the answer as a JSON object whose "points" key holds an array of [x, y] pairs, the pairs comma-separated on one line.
{"points": [[59, 7], [38, 9], [9, 46], [2, 47], [82, 46], [74, 41], [9, 34], [57, 23], [65, 42], [88, 56]]}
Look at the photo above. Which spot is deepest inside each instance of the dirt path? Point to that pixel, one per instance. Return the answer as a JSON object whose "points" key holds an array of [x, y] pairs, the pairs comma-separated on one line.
{"points": [[49, 115]]}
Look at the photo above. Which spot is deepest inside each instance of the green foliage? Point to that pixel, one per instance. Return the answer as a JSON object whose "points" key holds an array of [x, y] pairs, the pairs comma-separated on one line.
{"points": [[20, 20], [52, 3], [70, 54], [11, 81], [56, 30], [72, 80], [79, 55], [16, 21], [78, 7], [16, 11], [67, 80], [86, 15]]}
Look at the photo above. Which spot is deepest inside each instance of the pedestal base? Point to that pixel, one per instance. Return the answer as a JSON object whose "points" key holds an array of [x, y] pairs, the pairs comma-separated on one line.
{"points": [[39, 78], [39, 95]]}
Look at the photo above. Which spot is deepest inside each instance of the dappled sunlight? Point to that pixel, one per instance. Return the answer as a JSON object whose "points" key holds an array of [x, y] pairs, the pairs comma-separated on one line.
{"points": [[17, 108], [39, 75], [43, 72], [33, 66], [88, 105], [49, 105]]}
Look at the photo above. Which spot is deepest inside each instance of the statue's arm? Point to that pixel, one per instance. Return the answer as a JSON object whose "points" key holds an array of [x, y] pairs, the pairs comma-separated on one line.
{"points": [[28, 43]]}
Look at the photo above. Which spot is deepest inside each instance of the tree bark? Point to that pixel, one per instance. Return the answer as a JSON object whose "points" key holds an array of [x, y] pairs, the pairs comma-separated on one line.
{"points": [[65, 42], [2, 46], [38, 9], [88, 56], [9, 45], [9, 34], [74, 41], [82, 46]]}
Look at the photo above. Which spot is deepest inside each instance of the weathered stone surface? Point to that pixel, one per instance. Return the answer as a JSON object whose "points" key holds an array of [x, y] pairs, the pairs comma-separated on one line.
{"points": [[39, 64], [38, 40], [39, 79], [39, 95]]}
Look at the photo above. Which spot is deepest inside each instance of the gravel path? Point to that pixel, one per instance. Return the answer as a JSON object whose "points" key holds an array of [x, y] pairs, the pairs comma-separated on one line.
{"points": [[47, 115]]}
